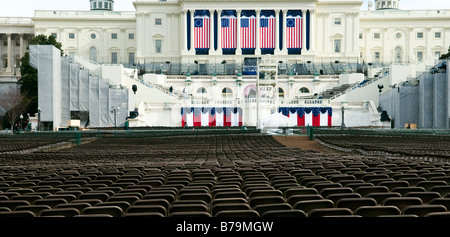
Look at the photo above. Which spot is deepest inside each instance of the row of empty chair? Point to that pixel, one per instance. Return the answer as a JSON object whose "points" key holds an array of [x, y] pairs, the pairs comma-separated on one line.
{"points": [[217, 176]]}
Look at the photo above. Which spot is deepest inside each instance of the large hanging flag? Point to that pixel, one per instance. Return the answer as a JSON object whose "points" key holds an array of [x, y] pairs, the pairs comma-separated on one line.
{"points": [[294, 22], [315, 116], [202, 29], [211, 117], [248, 32], [267, 30], [228, 29]]}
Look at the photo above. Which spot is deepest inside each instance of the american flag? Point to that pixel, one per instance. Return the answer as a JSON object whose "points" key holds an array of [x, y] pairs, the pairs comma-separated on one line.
{"points": [[248, 32], [294, 32], [201, 32], [267, 32], [228, 32]]}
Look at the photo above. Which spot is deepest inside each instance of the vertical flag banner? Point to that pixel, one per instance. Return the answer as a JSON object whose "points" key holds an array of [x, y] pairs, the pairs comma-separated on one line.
{"points": [[228, 29], [201, 29], [294, 29], [267, 29], [315, 116], [248, 30], [211, 117]]}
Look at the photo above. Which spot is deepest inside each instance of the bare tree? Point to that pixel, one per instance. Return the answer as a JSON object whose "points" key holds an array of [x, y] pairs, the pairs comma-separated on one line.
{"points": [[15, 104]]}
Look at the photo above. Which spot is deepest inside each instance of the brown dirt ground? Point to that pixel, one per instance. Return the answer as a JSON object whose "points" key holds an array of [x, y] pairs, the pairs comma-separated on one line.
{"points": [[304, 143]]}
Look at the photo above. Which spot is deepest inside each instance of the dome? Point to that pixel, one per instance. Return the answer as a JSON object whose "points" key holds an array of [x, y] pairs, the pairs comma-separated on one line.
{"points": [[102, 5], [387, 4]]}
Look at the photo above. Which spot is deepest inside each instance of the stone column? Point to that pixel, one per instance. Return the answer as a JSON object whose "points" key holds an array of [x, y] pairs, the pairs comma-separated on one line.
{"points": [[304, 23], [284, 51], [21, 52], [258, 23], [9, 53], [238, 33], [185, 29], [192, 31]]}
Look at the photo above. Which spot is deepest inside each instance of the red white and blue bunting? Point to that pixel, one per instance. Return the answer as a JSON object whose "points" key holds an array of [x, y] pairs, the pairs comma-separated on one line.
{"points": [[211, 117], [315, 116]]}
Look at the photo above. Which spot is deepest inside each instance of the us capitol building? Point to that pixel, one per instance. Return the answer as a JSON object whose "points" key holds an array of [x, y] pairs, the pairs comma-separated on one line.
{"points": [[305, 57]]}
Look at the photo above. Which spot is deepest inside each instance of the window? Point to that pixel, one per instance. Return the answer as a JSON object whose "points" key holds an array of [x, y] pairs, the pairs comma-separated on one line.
{"points": [[419, 56], [419, 35], [158, 46], [377, 57], [93, 54], [71, 55], [398, 35], [280, 92], [376, 35], [360, 36], [337, 21], [131, 58], [55, 35], [304, 90], [71, 35], [93, 36], [131, 36], [95, 4], [114, 57], [5, 43], [337, 45], [158, 21], [227, 93], [437, 35], [114, 36], [437, 53], [201, 90]]}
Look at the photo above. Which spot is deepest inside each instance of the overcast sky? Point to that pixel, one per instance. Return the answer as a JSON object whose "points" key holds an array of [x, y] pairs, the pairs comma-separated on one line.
{"points": [[25, 8]]}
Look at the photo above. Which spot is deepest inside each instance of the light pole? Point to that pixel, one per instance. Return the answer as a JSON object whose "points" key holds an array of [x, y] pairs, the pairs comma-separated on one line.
{"points": [[115, 110], [39, 119]]}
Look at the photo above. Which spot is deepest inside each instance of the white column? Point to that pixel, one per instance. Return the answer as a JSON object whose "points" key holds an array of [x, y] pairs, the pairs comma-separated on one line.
{"points": [[9, 52], [185, 30], [258, 23], [277, 31], [219, 33], [312, 29], [21, 52], [284, 51], [238, 33]]}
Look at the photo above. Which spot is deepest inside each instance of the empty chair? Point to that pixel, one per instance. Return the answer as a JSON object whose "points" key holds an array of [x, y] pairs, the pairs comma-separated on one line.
{"points": [[65, 212], [113, 211], [78, 206], [438, 214], [229, 207], [228, 201], [12, 204], [299, 191], [17, 214], [127, 198], [338, 196], [190, 214], [36, 209], [261, 209], [121, 204], [402, 202], [320, 186], [355, 203], [265, 200], [147, 209], [422, 210], [375, 211], [443, 190], [380, 197], [309, 205], [413, 180], [284, 213], [426, 197], [265, 193], [328, 191], [166, 196], [326, 212], [51, 202], [94, 195], [238, 213], [196, 196], [394, 184], [404, 190], [441, 201], [430, 184], [144, 214], [364, 191], [188, 208]]}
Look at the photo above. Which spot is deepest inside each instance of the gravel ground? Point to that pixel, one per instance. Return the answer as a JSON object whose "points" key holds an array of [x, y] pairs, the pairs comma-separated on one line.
{"points": [[303, 143]]}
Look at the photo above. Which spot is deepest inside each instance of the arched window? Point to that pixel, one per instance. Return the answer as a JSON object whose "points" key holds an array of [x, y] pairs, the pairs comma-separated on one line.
{"points": [[227, 93], [280, 92], [93, 54], [398, 55], [304, 90], [201, 90]]}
